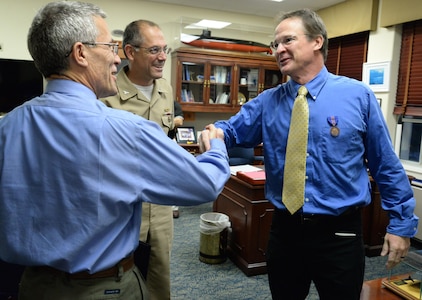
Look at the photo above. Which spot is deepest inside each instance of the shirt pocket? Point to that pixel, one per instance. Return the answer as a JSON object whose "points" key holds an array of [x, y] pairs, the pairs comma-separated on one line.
{"points": [[342, 148], [167, 121]]}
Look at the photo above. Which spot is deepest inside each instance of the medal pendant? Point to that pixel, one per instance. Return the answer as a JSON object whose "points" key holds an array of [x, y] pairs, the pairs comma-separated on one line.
{"points": [[334, 131]]}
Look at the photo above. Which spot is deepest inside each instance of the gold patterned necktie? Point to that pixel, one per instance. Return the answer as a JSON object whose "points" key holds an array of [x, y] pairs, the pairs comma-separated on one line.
{"points": [[295, 163]]}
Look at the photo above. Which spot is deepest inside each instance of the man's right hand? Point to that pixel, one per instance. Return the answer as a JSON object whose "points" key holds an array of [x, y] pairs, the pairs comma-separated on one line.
{"points": [[210, 132]]}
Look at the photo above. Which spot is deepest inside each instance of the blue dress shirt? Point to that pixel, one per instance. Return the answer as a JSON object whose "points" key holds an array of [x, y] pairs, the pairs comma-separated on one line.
{"points": [[336, 172], [73, 174]]}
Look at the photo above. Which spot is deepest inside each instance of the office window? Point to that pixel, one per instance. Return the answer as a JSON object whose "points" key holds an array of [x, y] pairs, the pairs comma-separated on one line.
{"points": [[346, 54], [411, 139]]}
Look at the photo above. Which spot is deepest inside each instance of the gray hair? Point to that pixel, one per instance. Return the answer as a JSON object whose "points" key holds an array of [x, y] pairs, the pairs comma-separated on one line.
{"points": [[133, 32], [313, 24], [56, 28]]}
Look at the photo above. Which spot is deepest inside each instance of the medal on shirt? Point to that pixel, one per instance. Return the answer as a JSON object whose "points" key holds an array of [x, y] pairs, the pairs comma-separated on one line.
{"points": [[334, 130]]}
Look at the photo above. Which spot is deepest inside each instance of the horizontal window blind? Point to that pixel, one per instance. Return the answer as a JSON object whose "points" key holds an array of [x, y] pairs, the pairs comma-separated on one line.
{"points": [[347, 54], [409, 82]]}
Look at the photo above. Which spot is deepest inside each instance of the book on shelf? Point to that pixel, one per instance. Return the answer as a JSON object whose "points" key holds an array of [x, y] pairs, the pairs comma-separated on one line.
{"points": [[185, 75], [222, 98], [184, 95], [187, 96], [191, 97], [228, 78], [221, 74]]}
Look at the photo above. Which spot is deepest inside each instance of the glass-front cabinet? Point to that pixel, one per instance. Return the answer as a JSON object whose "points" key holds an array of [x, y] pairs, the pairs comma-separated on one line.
{"points": [[220, 81], [255, 79], [201, 81]]}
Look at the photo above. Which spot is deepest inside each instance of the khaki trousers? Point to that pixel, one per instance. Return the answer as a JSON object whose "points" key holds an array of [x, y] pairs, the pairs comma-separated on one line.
{"points": [[157, 230], [44, 285]]}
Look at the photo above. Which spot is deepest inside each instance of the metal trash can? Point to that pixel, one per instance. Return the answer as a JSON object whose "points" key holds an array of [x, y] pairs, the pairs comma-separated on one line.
{"points": [[213, 229]]}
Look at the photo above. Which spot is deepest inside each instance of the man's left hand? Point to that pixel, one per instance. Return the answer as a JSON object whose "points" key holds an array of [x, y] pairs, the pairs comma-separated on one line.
{"points": [[396, 247]]}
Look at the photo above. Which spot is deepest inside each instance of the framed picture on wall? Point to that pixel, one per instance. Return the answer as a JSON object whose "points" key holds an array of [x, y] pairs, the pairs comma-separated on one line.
{"points": [[377, 76]]}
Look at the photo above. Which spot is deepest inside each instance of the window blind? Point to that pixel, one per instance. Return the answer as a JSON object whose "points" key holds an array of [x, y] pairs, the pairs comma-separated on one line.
{"points": [[347, 54], [409, 82]]}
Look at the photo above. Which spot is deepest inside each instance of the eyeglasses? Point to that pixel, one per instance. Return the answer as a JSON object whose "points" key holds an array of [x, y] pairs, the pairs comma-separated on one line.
{"points": [[154, 50], [285, 41], [114, 47]]}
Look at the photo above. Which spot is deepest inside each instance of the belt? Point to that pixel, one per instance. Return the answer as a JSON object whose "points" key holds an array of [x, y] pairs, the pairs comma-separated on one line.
{"points": [[318, 218], [126, 263]]}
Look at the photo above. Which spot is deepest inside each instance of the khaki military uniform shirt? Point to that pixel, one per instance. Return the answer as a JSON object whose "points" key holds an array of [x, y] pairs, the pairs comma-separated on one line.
{"points": [[159, 109], [157, 220]]}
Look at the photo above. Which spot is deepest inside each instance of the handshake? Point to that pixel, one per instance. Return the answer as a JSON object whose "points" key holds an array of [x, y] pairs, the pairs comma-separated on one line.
{"points": [[210, 132]]}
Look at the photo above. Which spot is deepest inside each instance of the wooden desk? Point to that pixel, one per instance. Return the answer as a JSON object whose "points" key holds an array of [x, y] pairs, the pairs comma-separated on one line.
{"points": [[250, 216], [192, 148], [374, 290]]}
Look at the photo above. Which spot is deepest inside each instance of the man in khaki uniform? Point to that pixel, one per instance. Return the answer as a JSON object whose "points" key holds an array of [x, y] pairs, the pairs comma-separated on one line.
{"points": [[143, 91]]}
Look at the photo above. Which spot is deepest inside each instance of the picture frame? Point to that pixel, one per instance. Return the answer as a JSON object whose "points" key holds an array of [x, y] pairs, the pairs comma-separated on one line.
{"points": [[377, 76], [186, 135], [407, 288]]}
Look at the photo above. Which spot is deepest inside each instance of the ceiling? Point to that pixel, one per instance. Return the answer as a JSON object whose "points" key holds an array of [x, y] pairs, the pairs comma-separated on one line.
{"points": [[265, 8]]}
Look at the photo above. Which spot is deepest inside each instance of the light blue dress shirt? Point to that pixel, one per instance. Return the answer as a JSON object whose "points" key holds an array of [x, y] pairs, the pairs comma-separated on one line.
{"points": [[337, 176], [73, 174]]}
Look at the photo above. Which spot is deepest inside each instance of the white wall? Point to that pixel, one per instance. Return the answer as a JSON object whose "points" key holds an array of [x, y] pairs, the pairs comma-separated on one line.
{"points": [[384, 45], [17, 16]]}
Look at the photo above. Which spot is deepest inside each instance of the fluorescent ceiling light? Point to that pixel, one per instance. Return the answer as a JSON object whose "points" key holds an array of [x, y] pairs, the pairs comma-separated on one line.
{"points": [[277, 0], [209, 24]]}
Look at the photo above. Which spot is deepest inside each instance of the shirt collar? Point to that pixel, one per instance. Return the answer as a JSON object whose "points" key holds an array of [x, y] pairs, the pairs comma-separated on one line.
{"points": [[314, 86], [126, 88], [68, 86]]}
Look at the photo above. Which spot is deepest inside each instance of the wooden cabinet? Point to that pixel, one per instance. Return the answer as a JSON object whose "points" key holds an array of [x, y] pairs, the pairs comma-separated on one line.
{"points": [[250, 215], [220, 81]]}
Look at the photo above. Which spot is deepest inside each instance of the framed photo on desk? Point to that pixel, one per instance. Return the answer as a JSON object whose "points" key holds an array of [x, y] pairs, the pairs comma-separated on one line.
{"points": [[186, 135]]}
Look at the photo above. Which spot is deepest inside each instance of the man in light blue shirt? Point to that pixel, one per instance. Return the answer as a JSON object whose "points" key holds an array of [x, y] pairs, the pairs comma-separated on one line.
{"points": [[347, 134], [73, 172]]}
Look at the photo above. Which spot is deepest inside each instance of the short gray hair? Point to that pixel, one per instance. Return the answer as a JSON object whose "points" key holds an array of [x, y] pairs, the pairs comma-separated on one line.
{"points": [[56, 28]]}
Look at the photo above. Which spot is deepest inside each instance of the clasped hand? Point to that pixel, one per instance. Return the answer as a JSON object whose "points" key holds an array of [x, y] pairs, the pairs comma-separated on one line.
{"points": [[210, 132]]}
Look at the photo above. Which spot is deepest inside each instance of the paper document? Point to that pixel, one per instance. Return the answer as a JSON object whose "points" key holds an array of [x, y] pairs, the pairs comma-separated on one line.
{"points": [[243, 168]]}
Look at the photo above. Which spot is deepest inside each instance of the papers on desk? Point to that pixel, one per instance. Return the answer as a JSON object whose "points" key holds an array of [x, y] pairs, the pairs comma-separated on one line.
{"points": [[243, 168], [250, 174]]}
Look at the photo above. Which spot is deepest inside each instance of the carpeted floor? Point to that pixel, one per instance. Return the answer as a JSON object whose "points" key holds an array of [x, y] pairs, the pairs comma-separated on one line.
{"points": [[193, 279]]}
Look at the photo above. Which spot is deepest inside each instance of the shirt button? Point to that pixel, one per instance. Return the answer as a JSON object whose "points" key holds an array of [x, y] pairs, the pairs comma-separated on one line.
{"points": [[306, 199]]}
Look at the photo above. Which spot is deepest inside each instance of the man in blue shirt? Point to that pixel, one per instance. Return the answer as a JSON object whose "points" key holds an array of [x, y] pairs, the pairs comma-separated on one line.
{"points": [[322, 242], [73, 172]]}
